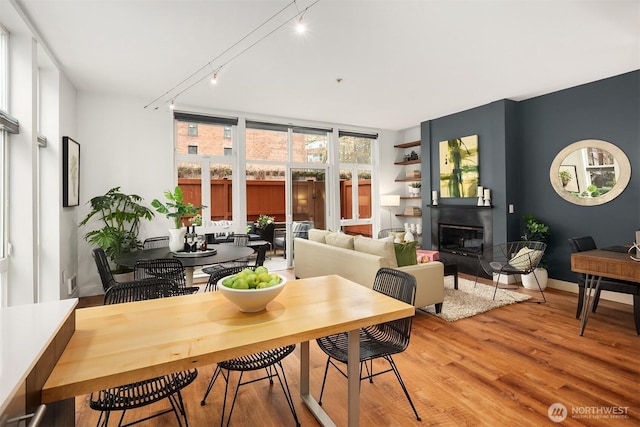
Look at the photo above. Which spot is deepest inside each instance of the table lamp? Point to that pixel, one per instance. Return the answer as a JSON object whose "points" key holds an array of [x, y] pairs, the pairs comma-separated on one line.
{"points": [[390, 200]]}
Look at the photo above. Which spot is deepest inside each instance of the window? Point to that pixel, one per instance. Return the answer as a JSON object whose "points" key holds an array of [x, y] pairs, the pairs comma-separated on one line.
{"points": [[4, 119], [204, 133], [355, 155]]}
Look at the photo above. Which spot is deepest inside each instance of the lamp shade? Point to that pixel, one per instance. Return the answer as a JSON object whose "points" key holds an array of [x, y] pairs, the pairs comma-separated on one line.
{"points": [[390, 200]]}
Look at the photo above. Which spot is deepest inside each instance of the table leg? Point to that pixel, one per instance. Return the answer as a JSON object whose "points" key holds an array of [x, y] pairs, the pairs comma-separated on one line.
{"points": [[587, 302], [353, 373], [311, 403], [188, 274]]}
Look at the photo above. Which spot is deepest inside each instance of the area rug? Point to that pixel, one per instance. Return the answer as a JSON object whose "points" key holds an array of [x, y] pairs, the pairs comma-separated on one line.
{"points": [[468, 300]]}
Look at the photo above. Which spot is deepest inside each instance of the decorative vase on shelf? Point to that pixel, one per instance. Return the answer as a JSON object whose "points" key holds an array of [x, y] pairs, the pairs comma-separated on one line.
{"points": [[176, 238]]}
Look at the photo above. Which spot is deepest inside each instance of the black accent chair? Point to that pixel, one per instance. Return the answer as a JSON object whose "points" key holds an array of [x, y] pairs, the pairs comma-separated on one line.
{"points": [[170, 268], [146, 392], [586, 243], [299, 229], [506, 259], [378, 341], [156, 242]]}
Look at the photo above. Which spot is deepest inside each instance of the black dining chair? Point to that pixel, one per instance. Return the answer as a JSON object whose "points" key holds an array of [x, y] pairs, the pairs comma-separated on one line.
{"points": [[142, 393], [104, 269], [378, 341], [270, 361], [170, 268], [587, 243], [156, 242]]}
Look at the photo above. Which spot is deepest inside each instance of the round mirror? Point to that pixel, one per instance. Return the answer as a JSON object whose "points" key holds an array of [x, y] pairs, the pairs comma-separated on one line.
{"points": [[590, 172]]}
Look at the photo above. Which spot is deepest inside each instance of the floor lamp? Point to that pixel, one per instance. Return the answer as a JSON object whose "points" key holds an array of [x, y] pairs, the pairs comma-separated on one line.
{"points": [[390, 200]]}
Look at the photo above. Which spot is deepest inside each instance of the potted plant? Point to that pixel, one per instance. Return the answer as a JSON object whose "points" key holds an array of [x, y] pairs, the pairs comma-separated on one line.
{"points": [[119, 215], [265, 225], [565, 177], [175, 209], [535, 231], [414, 188]]}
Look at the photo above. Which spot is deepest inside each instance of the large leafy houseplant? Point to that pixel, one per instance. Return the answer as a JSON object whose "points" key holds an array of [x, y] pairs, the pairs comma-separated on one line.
{"points": [[175, 208], [119, 215]]}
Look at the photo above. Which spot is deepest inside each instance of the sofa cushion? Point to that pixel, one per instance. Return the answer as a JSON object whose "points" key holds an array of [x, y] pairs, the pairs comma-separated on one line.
{"points": [[317, 235], [398, 236], [378, 247], [406, 253], [340, 240]]}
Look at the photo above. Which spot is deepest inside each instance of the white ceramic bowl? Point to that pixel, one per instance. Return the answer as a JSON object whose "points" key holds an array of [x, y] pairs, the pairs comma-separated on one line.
{"points": [[251, 300]]}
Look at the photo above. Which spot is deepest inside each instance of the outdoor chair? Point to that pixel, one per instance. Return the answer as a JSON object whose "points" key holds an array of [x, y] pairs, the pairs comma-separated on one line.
{"points": [[146, 392], [170, 268], [586, 243], [378, 341], [156, 242], [298, 229], [387, 231], [507, 259]]}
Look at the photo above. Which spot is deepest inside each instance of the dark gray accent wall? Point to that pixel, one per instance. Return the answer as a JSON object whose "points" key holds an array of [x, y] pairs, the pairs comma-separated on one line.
{"points": [[607, 109], [517, 143]]}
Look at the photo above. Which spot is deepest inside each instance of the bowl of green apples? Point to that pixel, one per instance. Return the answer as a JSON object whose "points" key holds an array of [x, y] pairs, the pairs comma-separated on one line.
{"points": [[251, 290]]}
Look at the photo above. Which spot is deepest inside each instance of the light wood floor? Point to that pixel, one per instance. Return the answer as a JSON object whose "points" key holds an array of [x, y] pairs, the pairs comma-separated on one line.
{"points": [[501, 368]]}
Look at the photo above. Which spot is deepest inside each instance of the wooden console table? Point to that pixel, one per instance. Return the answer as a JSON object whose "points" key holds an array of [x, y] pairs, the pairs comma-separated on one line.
{"points": [[599, 263]]}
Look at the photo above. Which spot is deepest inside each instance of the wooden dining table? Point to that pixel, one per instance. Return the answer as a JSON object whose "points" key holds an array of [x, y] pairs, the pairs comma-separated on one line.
{"points": [[598, 263], [123, 343], [223, 253]]}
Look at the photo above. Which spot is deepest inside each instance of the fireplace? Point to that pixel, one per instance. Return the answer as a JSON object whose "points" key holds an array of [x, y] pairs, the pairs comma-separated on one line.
{"points": [[461, 233], [460, 239]]}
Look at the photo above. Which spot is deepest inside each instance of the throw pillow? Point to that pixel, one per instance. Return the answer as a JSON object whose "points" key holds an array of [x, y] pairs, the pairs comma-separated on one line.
{"points": [[406, 253], [340, 240], [525, 259], [317, 235], [376, 247]]}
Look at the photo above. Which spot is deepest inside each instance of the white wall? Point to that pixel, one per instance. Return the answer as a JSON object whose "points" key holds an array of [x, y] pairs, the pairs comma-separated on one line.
{"points": [[124, 145]]}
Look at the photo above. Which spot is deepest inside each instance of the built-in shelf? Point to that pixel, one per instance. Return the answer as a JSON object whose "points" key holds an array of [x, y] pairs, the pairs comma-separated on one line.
{"points": [[409, 216], [416, 179], [410, 198], [408, 162], [408, 144], [460, 206]]}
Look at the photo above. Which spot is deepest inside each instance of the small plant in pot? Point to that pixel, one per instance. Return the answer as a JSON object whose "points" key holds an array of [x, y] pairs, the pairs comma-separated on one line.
{"points": [[414, 188], [535, 231], [175, 209], [119, 215]]}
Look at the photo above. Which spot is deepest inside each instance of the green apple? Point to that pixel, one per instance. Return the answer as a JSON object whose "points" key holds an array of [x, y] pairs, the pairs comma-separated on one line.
{"points": [[240, 284]]}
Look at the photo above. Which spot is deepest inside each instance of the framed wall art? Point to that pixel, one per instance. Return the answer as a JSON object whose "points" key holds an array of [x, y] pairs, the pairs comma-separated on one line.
{"points": [[459, 167], [70, 172]]}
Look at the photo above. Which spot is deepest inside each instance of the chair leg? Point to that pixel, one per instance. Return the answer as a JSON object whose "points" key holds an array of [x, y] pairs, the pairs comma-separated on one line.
{"points": [[439, 308], [285, 389], [404, 388], [213, 380], [495, 291], [178, 407], [324, 380], [636, 312], [596, 300], [580, 299]]}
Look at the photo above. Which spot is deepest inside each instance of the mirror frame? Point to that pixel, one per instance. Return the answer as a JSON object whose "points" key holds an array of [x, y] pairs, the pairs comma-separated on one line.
{"points": [[621, 183]]}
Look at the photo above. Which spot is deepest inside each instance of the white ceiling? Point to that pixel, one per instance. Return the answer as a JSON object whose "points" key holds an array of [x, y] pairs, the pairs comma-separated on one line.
{"points": [[401, 62]]}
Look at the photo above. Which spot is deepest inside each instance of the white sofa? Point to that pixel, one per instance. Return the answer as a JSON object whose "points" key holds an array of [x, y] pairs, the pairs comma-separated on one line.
{"points": [[358, 258]]}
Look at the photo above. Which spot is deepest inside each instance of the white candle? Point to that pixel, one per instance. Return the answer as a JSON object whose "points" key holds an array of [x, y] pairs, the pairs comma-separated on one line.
{"points": [[479, 190], [487, 194], [434, 195]]}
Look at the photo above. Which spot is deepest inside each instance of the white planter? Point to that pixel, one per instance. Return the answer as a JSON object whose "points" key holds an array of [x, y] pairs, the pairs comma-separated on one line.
{"points": [[123, 277], [529, 281], [176, 239]]}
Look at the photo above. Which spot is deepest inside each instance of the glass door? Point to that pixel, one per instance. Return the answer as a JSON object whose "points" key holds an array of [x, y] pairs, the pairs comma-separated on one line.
{"points": [[306, 204]]}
